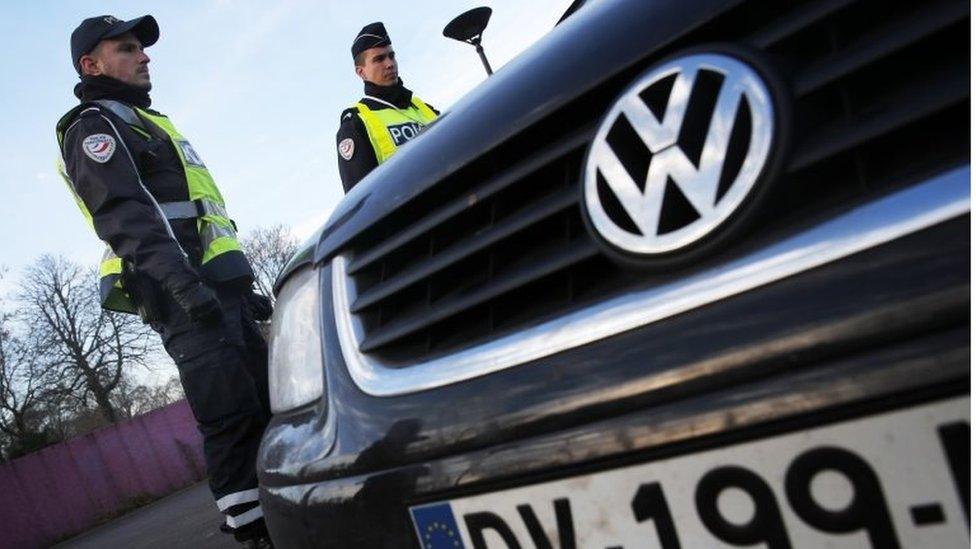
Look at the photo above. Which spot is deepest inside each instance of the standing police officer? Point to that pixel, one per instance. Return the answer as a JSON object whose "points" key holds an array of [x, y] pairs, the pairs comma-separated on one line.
{"points": [[172, 253], [387, 117]]}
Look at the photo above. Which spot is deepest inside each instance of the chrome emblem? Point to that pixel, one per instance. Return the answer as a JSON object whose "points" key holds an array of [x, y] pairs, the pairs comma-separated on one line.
{"points": [[678, 154]]}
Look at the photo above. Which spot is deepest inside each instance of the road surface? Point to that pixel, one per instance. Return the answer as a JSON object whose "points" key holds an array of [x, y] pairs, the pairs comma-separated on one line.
{"points": [[187, 519]]}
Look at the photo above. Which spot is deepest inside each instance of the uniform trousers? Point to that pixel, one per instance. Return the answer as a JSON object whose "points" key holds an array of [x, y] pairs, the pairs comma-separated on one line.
{"points": [[223, 367]]}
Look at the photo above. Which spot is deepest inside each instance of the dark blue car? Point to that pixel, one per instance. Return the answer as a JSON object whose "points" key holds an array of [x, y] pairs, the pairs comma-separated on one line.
{"points": [[683, 274]]}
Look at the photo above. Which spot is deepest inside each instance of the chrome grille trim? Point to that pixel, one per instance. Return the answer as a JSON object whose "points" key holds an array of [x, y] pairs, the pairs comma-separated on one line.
{"points": [[928, 203]]}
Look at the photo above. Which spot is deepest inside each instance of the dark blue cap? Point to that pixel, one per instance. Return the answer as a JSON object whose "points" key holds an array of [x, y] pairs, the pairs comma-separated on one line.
{"points": [[93, 30], [373, 35]]}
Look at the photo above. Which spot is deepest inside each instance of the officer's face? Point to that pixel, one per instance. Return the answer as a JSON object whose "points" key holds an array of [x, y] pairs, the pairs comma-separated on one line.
{"points": [[121, 58], [379, 66]]}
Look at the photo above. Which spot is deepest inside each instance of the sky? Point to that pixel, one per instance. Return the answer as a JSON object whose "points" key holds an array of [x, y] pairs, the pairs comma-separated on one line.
{"points": [[256, 86]]}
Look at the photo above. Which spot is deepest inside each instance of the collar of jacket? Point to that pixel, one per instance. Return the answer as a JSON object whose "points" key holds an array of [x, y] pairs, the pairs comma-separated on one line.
{"points": [[104, 87], [397, 94]]}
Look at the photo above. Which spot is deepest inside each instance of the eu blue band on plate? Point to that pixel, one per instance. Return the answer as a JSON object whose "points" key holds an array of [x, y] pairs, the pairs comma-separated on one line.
{"points": [[436, 527]]}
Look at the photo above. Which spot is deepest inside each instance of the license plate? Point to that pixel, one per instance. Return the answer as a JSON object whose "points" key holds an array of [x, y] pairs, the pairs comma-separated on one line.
{"points": [[899, 479]]}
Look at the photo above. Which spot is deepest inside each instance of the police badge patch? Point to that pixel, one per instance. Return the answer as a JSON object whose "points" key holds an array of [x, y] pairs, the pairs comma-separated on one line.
{"points": [[99, 147], [347, 147]]}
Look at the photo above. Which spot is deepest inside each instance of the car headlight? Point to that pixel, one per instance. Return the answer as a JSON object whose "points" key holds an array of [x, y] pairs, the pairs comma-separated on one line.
{"points": [[295, 373]]}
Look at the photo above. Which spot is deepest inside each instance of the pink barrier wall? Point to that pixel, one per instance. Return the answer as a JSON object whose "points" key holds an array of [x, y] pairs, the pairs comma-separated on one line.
{"points": [[68, 487]]}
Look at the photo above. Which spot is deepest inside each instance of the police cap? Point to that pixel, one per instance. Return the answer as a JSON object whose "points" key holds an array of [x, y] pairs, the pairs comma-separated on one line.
{"points": [[93, 30], [373, 35]]}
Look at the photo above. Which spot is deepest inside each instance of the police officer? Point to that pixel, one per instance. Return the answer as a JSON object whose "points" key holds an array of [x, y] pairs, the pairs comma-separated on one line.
{"points": [[387, 117], [172, 253]]}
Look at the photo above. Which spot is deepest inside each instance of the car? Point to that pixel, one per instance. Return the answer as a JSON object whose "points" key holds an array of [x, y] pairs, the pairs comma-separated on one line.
{"points": [[682, 274]]}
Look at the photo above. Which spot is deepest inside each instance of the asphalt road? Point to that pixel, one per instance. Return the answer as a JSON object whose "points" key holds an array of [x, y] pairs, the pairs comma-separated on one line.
{"points": [[186, 519]]}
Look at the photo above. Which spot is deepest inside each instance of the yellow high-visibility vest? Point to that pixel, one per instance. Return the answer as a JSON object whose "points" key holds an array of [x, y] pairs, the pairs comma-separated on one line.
{"points": [[218, 235], [389, 128]]}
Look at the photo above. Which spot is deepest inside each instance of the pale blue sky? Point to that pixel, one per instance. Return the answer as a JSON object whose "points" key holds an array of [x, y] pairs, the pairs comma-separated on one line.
{"points": [[256, 86]]}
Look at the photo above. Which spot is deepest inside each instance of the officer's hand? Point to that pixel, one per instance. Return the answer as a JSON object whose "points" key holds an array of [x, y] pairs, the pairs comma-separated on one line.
{"points": [[259, 305], [199, 302]]}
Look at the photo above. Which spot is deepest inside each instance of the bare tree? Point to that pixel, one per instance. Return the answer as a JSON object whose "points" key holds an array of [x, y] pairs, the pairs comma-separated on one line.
{"points": [[22, 390], [87, 350], [269, 251], [146, 398], [125, 397]]}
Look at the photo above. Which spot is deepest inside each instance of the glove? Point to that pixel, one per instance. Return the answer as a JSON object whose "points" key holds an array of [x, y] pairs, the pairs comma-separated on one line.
{"points": [[259, 305], [199, 302]]}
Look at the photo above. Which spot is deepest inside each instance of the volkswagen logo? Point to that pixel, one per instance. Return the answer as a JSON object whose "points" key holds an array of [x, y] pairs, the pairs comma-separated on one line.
{"points": [[678, 154]]}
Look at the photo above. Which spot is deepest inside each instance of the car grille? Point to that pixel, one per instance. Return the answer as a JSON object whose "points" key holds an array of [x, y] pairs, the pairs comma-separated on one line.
{"points": [[881, 99]]}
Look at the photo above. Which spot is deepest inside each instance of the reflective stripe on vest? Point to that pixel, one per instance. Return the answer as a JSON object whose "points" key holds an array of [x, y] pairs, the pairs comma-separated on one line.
{"points": [[217, 233], [192, 208], [380, 124]]}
